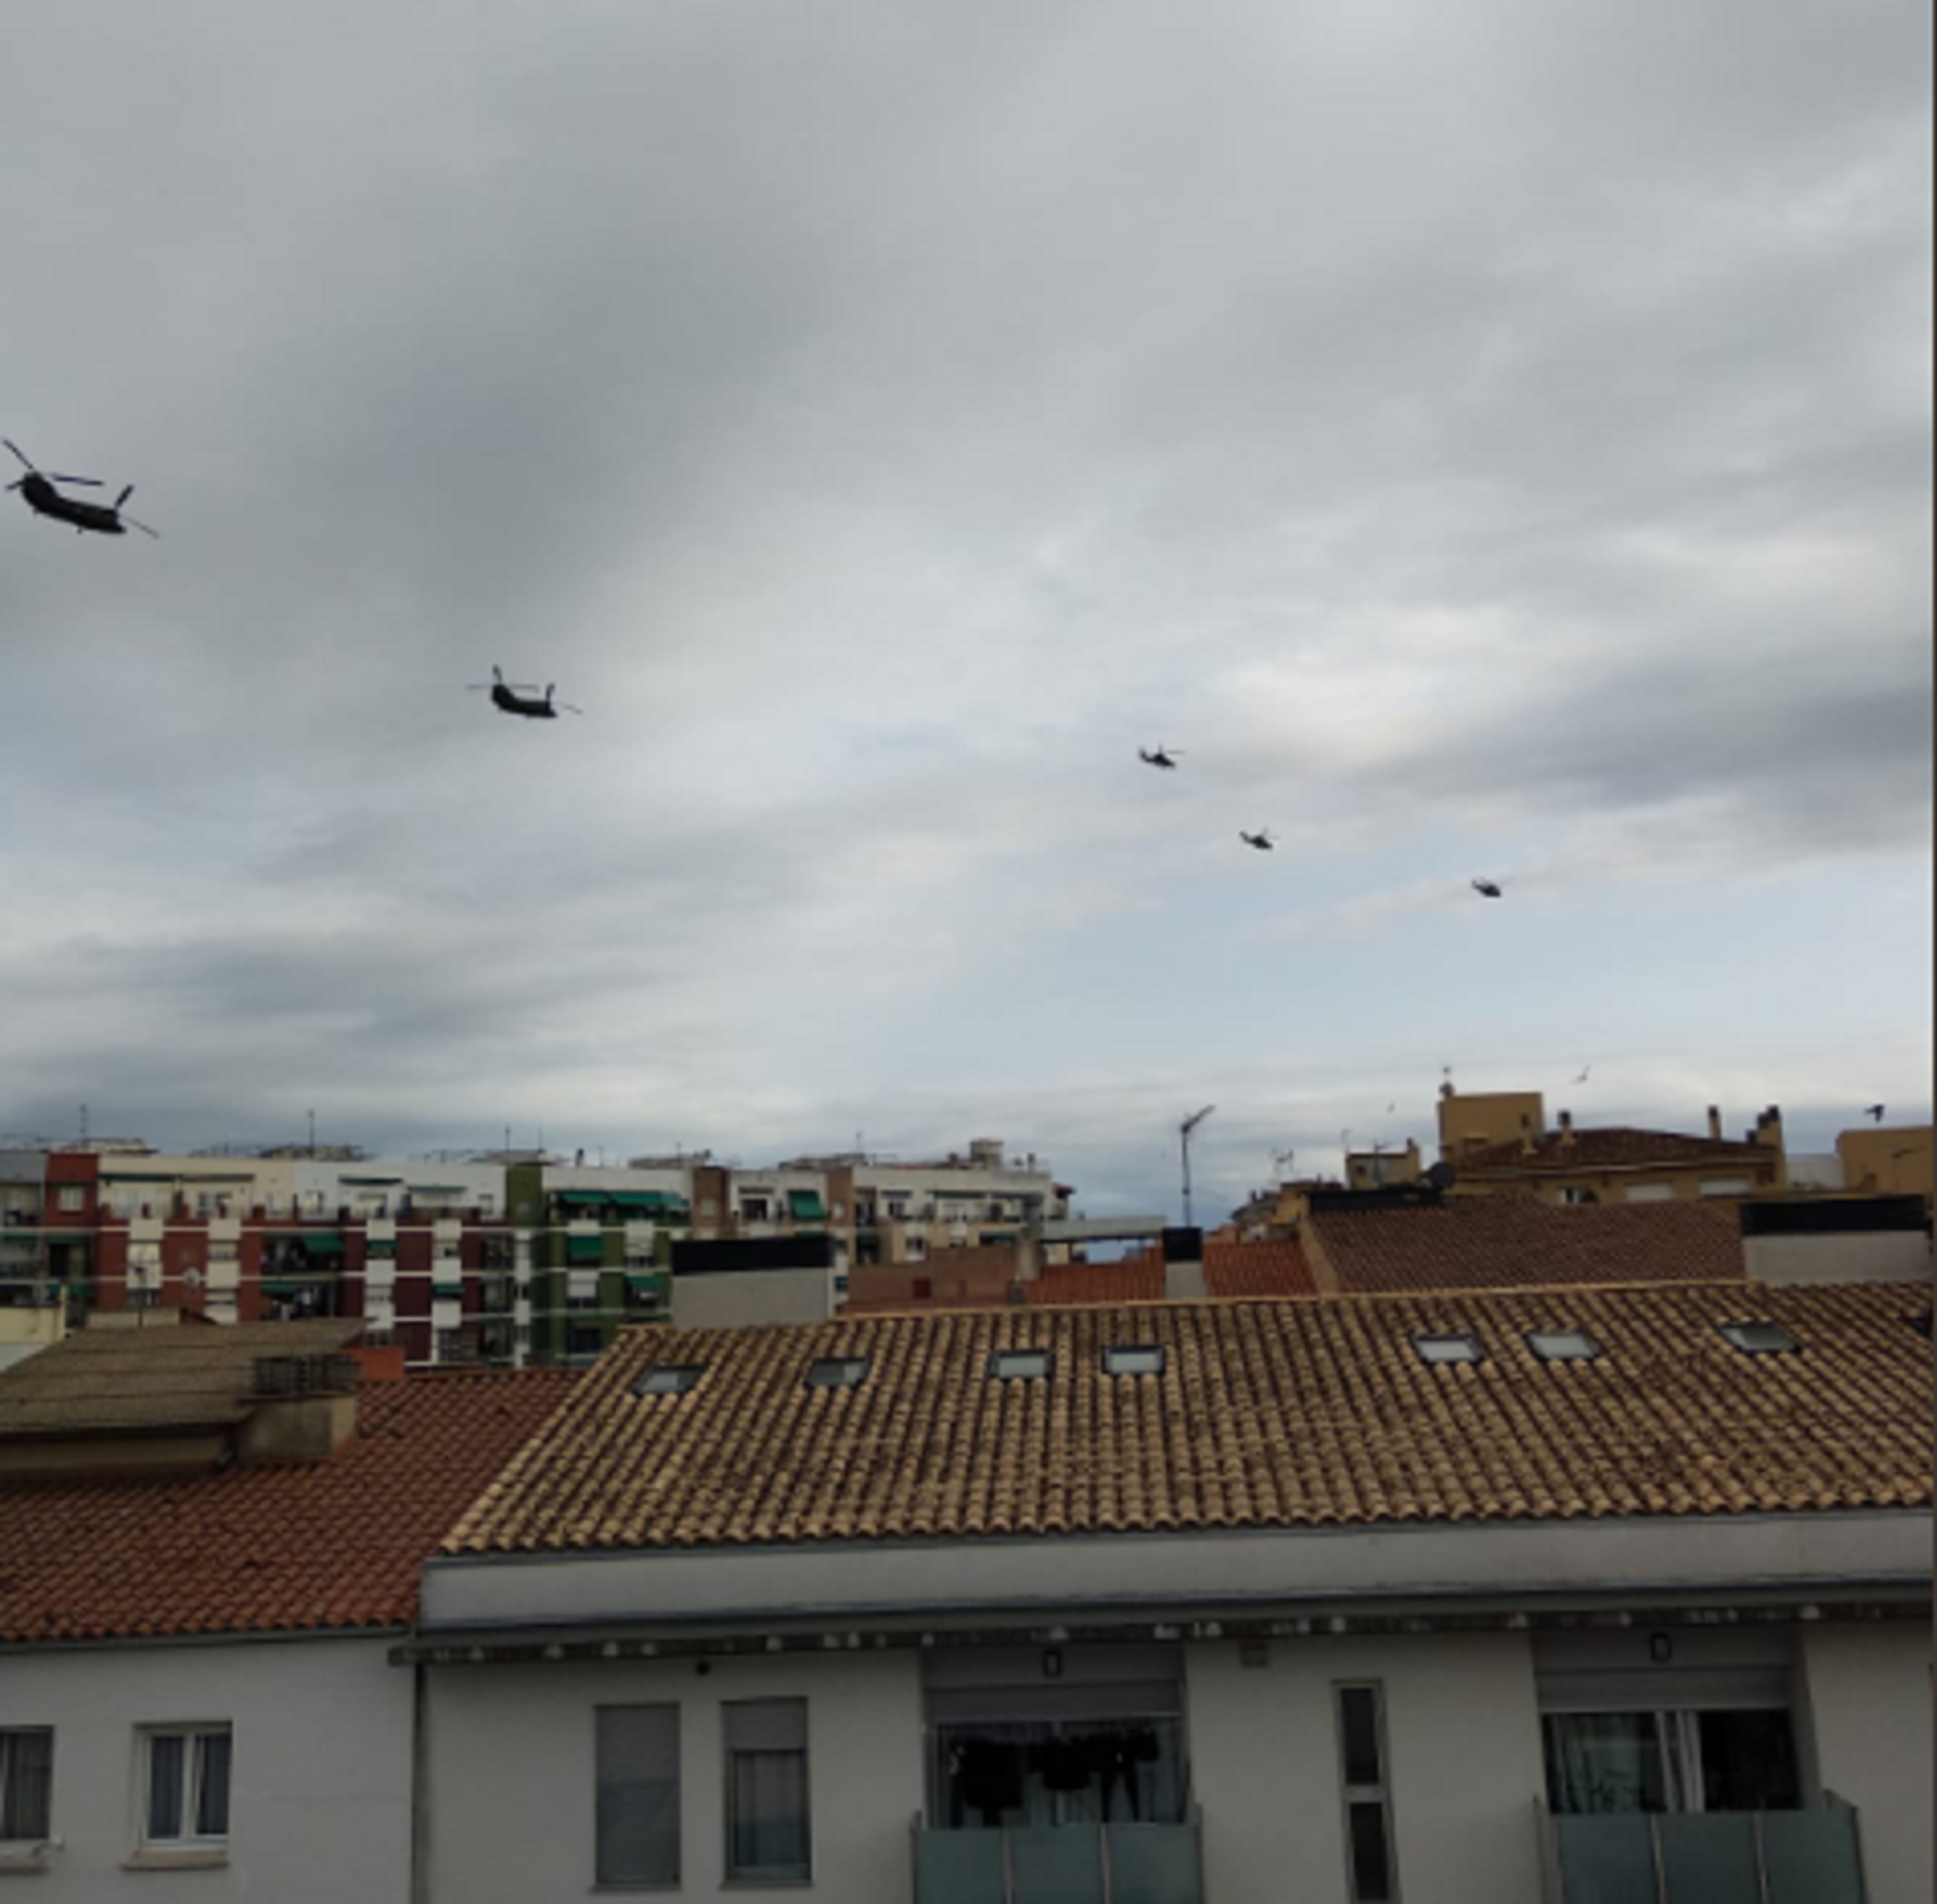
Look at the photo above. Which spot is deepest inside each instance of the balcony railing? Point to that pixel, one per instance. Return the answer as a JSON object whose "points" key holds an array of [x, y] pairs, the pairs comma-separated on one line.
{"points": [[1718, 1857], [1060, 1864]]}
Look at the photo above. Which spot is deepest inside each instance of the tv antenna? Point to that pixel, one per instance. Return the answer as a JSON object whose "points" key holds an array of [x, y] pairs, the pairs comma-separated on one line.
{"points": [[1183, 1131]]}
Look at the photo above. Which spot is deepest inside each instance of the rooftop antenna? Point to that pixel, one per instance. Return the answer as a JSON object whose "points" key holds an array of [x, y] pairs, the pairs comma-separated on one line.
{"points": [[1183, 1131], [312, 1133], [83, 1123]]}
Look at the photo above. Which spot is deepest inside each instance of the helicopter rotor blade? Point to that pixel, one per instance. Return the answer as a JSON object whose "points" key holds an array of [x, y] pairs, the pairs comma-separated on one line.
{"points": [[142, 527], [18, 451], [124, 494], [84, 482]]}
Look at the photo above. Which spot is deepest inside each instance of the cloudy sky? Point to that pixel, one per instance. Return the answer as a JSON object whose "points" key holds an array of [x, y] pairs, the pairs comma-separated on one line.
{"points": [[1487, 440]]}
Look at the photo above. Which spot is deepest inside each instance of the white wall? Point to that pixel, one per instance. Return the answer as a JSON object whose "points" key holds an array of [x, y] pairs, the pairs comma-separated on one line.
{"points": [[739, 1298], [1849, 1256], [1463, 1768], [513, 1772], [319, 1795], [1868, 1691]]}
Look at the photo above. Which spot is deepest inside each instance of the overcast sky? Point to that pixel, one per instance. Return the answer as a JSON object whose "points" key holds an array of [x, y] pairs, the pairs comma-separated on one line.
{"points": [[1487, 440]]}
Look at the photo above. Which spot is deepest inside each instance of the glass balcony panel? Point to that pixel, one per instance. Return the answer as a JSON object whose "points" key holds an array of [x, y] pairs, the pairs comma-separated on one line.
{"points": [[1607, 1859], [1058, 1865], [1155, 1865], [1708, 1857], [958, 1867], [1812, 1858]]}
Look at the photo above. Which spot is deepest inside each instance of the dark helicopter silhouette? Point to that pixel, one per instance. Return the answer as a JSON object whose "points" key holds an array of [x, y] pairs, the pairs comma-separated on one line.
{"points": [[1163, 756], [37, 490], [1487, 888], [1261, 838], [508, 700]]}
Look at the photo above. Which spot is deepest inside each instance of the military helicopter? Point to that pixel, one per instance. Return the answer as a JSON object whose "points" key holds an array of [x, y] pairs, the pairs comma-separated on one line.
{"points": [[37, 490], [1261, 838], [1487, 888], [1164, 756], [508, 698]]}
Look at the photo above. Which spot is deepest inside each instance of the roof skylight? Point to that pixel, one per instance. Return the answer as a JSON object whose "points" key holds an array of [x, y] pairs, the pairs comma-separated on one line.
{"points": [[1133, 1359], [839, 1371], [1019, 1364], [1562, 1344], [1447, 1348], [669, 1378], [1760, 1337]]}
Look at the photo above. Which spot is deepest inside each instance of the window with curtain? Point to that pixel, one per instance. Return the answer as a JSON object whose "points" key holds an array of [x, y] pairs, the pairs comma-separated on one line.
{"points": [[1670, 1761], [186, 1789], [638, 1795], [26, 1781], [767, 1823]]}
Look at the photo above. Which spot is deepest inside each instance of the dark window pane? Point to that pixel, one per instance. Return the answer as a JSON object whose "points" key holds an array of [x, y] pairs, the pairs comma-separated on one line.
{"points": [[1602, 1762], [1371, 1860], [211, 1804], [1748, 1762], [164, 1784], [27, 1779], [638, 1795], [1358, 1730]]}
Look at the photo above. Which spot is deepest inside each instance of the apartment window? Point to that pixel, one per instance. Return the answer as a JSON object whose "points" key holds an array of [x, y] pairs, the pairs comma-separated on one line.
{"points": [[185, 1786], [585, 1341], [71, 1197], [767, 1835], [1741, 1760], [638, 1795], [26, 1782], [1362, 1760]]}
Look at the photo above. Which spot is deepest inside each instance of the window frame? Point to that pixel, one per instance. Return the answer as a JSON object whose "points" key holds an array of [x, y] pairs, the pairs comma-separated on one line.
{"points": [[1004, 1365], [1120, 1359], [733, 1872], [1550, 1345], [1354, 1795], [11, 1838], [600, 1880], [839, 1371], [189, 1841]]}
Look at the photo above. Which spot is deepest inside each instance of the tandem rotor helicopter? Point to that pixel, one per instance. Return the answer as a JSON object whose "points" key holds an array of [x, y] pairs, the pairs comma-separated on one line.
{"points": [[37, 490], [521, 697]]}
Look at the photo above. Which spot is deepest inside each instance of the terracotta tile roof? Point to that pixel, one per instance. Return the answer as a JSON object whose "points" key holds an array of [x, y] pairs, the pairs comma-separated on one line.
{"points": [[1612, 1147], [1505, 1242], [1257, 1268], [1269, 1414], [1133, 1279], [313, 1545], [106, 1381]]}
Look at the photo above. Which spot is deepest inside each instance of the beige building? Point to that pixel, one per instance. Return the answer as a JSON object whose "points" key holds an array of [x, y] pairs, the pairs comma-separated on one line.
{"points": [[1888, 1159], [1499, 1142]]}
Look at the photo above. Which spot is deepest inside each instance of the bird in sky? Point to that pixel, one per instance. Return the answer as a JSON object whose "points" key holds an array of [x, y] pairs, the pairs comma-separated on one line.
{"points": [[1583, 1078], [1261, 838], [1486, 888]]}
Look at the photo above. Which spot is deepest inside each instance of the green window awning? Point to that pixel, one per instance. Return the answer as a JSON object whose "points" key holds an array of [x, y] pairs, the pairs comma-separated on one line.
{"points": [[448, 1292], [279, 1289], [807, 1207], [644, 1203], [323, 1242], [644, 1279], [585, 1250]]}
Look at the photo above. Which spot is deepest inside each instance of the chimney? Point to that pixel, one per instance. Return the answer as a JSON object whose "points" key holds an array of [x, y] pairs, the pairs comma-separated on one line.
{"points": [[302, 1408], [1716, 1123], [1567, 1131], [1184, 1266]]}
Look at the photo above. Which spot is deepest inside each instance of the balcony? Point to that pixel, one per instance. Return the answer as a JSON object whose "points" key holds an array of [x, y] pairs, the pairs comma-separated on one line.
{"points": [[1718, 1857], [1063, 1864]]}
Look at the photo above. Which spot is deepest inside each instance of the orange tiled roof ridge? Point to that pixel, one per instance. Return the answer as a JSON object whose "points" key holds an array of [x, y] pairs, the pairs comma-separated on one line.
{"points": [[1269, 1414], [1508, 1242], [306, 1547]]}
